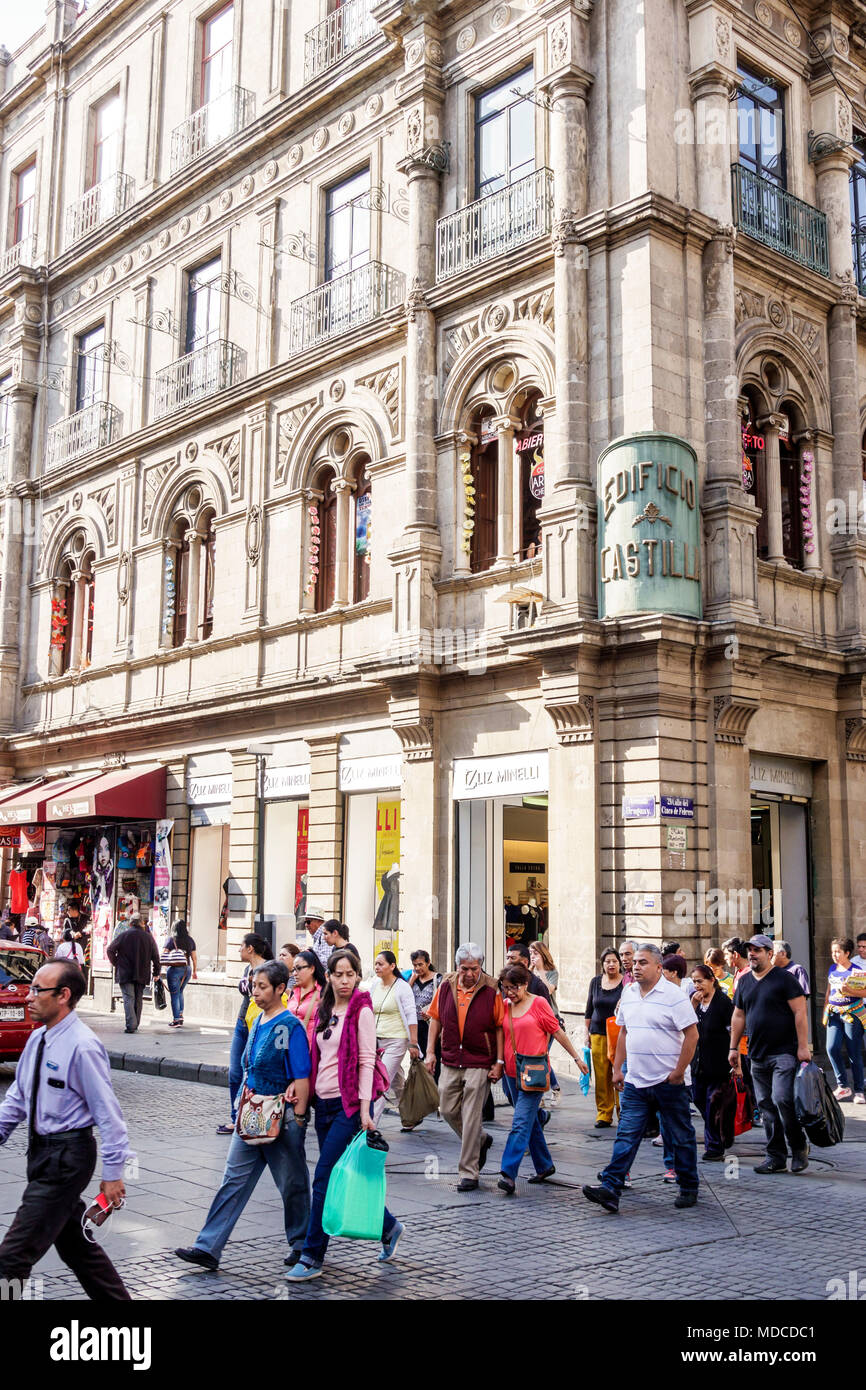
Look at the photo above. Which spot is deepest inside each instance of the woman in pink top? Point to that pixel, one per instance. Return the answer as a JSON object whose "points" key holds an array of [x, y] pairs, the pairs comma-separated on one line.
{"points": [[529, 1025], [304, 999], [346, 1078]]}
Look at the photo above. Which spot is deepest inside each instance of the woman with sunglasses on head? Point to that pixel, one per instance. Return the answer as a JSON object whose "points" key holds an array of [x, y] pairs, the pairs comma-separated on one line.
{"points": [[529, 1026], [305, 997], [343, 1076]]}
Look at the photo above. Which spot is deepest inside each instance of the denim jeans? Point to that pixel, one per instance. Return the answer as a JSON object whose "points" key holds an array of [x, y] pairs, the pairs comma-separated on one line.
{"points": [[640, 1105], [236, 1058], [335, 1131], [526, 1132], [841, 1034], [244, 1166], [176, 978], [773, 1080]]}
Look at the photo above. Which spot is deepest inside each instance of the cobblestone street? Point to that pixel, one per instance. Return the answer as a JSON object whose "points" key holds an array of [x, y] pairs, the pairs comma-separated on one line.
{"points": [[749, 1238]]}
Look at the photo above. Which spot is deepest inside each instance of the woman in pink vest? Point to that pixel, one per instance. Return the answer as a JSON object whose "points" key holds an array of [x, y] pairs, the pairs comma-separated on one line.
{"points": [[345, 1079]]}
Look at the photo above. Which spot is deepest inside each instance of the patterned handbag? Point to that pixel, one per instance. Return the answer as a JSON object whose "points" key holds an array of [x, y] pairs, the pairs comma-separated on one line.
{"points": [[260, 1118]]}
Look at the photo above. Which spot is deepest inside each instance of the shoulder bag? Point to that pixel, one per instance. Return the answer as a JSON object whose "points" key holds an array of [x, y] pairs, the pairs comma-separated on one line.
{"points": [[260, 1118], [533, 1072]]}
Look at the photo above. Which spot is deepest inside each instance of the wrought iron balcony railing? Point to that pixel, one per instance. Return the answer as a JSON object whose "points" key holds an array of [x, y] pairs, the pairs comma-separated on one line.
{"points": [[88, 429], [498, 222], [344, 30], [206, 127], [22, 253], [202, 372], [344, 303], [99, 204], [779, 220]]}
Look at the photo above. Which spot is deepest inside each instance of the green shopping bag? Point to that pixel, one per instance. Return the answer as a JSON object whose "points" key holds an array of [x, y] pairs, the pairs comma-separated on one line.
{"points": [[355, 1199]]}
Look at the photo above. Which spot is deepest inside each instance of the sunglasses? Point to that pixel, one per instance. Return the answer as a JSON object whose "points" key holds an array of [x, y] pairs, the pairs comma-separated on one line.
{"points": [[332, 1023]]}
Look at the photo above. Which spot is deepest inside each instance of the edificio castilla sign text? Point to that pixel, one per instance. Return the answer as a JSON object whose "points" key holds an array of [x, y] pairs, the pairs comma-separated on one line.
{"points": [[649, 557]]}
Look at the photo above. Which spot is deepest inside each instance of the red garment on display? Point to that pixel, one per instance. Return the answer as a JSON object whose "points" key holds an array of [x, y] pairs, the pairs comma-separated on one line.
{"points": [[18, 885]]}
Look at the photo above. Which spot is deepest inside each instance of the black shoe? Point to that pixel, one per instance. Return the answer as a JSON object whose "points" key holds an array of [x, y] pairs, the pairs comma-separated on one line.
{"points": [[467, 1185], [506, 1185], [543, 1117], [772, 1165], [713, 1158], [292, 1258], [800, 1161], [603, 1124], [225, 1129], [197, 1257], [686, 1199], [542, 1177], [486, 1146], [130, 1030], [602, 1196]]}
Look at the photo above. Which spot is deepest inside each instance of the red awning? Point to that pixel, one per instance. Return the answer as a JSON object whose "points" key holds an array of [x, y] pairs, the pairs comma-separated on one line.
{"points": [[27, 806], [129, 793], [14, 789]]}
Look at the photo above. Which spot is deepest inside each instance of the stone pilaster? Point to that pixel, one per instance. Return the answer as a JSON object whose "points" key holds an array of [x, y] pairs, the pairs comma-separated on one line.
{"points": [[242, 861], [177, 810], [325, 851], [17, 521], [412, 707]]}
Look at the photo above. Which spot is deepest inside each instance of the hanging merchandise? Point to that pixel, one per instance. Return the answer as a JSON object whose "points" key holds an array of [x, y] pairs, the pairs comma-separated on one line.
{"points": [[162, 881], [169, 601], [18, 890], [468, 502], [313, 558], [59, 621], [808, 463]]}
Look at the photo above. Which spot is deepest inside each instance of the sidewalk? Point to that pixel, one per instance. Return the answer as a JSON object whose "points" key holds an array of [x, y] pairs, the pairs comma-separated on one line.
{"points": [[195, 1052]]}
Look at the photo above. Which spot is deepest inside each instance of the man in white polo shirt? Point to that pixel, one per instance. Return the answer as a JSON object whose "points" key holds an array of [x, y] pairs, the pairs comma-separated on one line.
{"points": [[659, 1036]]}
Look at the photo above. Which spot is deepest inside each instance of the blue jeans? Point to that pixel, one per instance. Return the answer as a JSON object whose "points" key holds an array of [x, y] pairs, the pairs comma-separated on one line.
{"points": [[639, 1106], [841, 1034], [335, 1131], [526, 1132], [176, 977], [236, 1068], [244, 1166]]}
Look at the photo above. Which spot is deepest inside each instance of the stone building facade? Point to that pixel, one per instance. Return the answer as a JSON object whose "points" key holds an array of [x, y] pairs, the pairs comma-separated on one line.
{"points": [[314, 330]]}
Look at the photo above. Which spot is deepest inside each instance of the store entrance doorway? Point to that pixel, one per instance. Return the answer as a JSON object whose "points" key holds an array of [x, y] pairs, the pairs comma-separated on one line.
{"points": [[502, 873], [782, 875]]}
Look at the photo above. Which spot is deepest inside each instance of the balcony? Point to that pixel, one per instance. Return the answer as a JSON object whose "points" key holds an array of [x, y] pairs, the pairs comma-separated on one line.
{"points": [[499, 222], [779, 220], [22, 253], [201, 373], [99, 204], [220, 118], [344, 303], [344, 30], [88, 429]]}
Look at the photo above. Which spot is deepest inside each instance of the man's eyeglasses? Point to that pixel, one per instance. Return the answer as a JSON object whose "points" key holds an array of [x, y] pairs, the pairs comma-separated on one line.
{"points": [[46, 989], [332, 1023]]}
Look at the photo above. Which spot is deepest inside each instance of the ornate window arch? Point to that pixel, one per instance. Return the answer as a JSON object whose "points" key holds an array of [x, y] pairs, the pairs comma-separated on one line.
{"points": [[325, 589], [189, 568], [481, 490], [73, 598]]}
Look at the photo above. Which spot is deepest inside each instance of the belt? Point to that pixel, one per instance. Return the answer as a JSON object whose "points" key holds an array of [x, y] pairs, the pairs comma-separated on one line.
{"points": [[64, 1134]]}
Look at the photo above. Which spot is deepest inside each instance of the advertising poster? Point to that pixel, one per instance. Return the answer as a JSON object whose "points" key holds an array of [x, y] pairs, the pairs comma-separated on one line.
{"points": [[48, 896], [387, 875], [301, 849], [101, 874], [162, 881]]}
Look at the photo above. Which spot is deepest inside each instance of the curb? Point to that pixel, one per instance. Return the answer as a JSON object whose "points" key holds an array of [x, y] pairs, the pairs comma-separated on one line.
{"points": [[206, 1073]]}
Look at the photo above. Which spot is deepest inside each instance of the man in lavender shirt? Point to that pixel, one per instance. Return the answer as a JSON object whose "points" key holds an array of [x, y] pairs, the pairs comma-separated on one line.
{"points": [[62, 1088]]}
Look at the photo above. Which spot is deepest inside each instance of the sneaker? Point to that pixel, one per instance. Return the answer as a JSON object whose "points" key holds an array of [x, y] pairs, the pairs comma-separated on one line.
{"points": [[389, 1246], [713, 1158], [772, 1165], [670, 1175], [658, 1142], [301, 1271], [859, 1098], [602, 1196], [197, 1257], [843, 1093], [627, 1180], [686, 1199], [176, 1023], [556, 1095], [225, 1129]]}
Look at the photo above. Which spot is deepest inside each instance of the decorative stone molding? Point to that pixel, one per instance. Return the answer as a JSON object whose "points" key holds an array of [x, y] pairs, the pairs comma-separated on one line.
{"points": [[106, 500], [573, 720], [732, 715], [124, 577], [416, 739], [386, 387], [253, 536], [153, 479], [288, 424], [228, 451], [466, 38], [855, 740], [416, 300]]}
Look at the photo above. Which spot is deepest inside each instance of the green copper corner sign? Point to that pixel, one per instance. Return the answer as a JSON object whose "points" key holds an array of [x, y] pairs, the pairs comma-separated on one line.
{"points": [[649, 527]]}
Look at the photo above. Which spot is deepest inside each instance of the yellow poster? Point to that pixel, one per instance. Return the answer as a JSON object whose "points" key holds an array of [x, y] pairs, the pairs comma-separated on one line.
{"points": [[387, 872]]}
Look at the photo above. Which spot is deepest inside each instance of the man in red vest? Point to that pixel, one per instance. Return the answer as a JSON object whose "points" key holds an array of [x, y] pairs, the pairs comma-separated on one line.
{"points": [[466, 1012]]}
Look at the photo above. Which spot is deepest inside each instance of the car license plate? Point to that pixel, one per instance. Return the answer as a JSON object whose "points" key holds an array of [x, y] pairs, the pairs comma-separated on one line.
{"points": [[11, 1013]]}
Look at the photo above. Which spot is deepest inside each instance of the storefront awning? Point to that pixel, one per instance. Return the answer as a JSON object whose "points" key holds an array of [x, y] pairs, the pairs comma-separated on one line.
{"points": [[27, 806], [130, 793], [15, 789]]}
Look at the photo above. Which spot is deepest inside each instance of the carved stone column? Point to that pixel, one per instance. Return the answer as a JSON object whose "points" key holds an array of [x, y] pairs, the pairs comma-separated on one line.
{"points": [[771, 424], [193, 586], [506, 546], [75, 637], [16, 556], [344, 489]]}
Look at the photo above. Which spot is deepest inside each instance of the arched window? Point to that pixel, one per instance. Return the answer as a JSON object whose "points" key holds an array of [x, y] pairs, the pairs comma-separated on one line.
{"points": [[327, 519], [530, 451], [362, 533], [72, 610], [484, 473]]}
